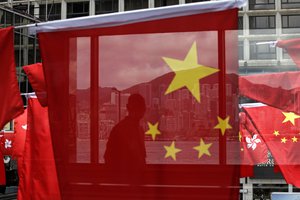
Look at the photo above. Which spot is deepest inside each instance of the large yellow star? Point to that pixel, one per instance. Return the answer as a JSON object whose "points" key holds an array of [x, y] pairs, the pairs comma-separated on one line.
{"points": [[290, 116], [203, 148], [153, 130], [171, 151], [223, 124], [188, 73]]}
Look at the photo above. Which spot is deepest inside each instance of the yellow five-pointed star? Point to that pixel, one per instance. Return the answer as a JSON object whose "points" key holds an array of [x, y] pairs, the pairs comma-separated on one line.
{"points": [[294, 139], [290, 116], [240, 136], [283, 140], [203, 148], [276, 133], [223, 124], [153, 130], [171, 151], [188, 72]]}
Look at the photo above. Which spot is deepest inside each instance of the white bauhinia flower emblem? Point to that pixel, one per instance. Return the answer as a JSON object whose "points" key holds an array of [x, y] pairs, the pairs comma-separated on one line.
{"points": [[7, 143], [252, 142], [24, 127]]}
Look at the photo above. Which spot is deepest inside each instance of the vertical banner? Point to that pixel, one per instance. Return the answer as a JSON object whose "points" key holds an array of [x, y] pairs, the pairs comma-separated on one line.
{"points": [[145, 109]]}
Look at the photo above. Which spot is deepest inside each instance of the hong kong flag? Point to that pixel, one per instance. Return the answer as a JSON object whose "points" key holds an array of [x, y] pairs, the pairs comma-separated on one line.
{"points": [[292, 46], [280, 131], [143, 104]]}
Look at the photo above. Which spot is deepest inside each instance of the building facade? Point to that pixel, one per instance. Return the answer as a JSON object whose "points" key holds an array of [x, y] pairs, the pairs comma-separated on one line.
{"points": [[261, 24]]}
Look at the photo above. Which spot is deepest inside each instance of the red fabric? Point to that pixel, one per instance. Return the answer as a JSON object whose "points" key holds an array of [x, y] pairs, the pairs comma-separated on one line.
{"points": [[11, 104], [286, 155], [2, 171], [266, 88], [20, 127], [36, 78], [83, 106], [38, 179], [292, 46], [246, 171]]}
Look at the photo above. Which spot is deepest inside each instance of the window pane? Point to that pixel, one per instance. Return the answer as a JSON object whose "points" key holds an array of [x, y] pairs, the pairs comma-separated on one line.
{"points": [[261, 51], [135, 4], [78, 9], [159, 3], [261, 4], [106, 6]]}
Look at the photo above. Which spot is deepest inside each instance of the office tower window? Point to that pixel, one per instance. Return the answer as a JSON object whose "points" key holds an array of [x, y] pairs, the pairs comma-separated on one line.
{"points": [[194, 1], [261, 4], [262, 51], [159, 3], [135, 4], [51, 12], [77, 9], [240, 23], [241, 50], [285, 54], [106, 6], [24, 8], [290, 4], [290, 23], [262, 24]]}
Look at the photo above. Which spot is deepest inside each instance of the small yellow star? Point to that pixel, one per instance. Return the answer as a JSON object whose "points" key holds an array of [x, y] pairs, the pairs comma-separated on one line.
{"points": [[188, 72], [283, 140], [153, 130], [290, 116], [172, 151], [276, 133], [240, 136], [294, 139], [223, 124], [203, 148]]}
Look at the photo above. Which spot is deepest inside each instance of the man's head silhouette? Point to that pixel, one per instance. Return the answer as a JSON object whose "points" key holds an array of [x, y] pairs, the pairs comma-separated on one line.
{"points": [[136, 106]]}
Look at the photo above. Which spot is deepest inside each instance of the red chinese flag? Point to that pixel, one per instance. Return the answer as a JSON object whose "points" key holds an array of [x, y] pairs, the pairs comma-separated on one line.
{"points": [[38, 178], [11, 104], [266, 88], [36, 78], [145, 98], [280, 131], [292, 46]]}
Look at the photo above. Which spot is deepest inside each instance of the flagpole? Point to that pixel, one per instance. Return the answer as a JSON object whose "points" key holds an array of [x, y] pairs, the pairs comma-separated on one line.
{"points": [[222, 94]]}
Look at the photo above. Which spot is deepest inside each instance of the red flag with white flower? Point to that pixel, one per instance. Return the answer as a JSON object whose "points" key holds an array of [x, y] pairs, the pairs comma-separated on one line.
{"points": [[280, 131], [254, 150]]}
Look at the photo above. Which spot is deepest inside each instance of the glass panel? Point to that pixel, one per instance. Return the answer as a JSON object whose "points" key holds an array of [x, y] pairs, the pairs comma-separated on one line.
{"points": [[178, 115], [159, 3], [135, 4], [77, 9], [106, 6], [79, 98], [261, 51], [261, 4], [194, 1]]}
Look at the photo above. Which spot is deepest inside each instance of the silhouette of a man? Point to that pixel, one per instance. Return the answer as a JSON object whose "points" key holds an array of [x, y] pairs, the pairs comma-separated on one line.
{"points": [[125, 150]]}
